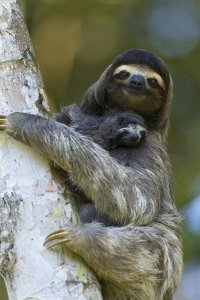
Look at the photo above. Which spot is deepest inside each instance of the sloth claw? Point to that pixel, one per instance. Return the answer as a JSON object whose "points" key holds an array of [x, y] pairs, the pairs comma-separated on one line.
{"points": [[59, 235], [63, 241], [54, 232], [3, 125]]}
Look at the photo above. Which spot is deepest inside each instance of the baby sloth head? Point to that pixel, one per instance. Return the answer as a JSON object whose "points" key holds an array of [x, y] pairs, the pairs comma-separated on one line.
{"points": [[130, 129]]}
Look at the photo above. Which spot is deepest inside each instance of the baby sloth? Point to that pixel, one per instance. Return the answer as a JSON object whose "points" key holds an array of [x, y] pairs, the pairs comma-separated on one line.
{"points": [[110, 131], [117, 133]]}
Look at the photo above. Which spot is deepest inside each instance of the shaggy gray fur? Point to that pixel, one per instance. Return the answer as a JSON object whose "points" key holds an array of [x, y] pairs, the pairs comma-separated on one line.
{"points": [[118, 133]]}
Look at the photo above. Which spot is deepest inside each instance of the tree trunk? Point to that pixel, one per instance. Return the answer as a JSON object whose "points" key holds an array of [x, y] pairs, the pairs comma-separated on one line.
{"points": [[32, 200]]}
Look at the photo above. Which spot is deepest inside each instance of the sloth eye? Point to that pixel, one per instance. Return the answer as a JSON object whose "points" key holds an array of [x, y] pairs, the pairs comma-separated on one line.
{"points": [[122, 75], [153, 82]]}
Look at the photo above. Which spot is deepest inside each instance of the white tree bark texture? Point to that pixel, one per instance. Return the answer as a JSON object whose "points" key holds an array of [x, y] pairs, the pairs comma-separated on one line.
{"points": [[32, 200]]}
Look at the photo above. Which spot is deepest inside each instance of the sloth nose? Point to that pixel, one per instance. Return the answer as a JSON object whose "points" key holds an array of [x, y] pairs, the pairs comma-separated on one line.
{"points": [[137, 81], [130, 139], [132, 136]]}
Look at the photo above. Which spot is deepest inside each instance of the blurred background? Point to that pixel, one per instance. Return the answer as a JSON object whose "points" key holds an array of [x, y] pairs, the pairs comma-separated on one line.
{"points": [[74, 40]]}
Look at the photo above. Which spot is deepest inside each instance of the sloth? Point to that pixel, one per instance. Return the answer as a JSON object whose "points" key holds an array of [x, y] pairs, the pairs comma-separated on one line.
{"points": [[117, 133], [141, 258], [110, 131]]}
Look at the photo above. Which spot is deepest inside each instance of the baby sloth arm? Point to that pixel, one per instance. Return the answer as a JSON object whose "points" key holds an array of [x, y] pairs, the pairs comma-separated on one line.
{"points": [[128, 194]]}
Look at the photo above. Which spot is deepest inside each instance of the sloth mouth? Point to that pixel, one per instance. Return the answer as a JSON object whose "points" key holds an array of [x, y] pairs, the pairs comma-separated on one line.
{"points": [[136, 91], [129, 143]]}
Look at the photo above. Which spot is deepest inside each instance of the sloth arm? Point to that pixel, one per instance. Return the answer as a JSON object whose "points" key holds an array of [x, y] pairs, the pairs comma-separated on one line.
{"points": [[128, 195]]}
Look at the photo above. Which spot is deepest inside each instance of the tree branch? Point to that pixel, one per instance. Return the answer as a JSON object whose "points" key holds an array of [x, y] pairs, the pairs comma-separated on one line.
{"points": [[32, 200]]}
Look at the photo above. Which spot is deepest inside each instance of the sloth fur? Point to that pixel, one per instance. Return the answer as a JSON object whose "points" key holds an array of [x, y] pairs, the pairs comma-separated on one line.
{"points": [[118, 133]]}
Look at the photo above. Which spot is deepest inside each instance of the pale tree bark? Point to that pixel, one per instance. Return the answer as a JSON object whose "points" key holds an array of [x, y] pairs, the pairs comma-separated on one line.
{"points": [[32, 201]]}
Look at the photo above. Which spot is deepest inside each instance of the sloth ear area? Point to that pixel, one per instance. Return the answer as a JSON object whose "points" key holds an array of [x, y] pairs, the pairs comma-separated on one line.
{"points": [[161, 118], [94, 100]]}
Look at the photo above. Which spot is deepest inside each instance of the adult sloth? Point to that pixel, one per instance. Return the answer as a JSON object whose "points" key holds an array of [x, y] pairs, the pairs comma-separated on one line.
{"points": [[141, 258]]}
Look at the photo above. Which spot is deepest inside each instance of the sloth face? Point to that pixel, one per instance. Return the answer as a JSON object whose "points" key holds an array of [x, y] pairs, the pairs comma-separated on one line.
{"points": [[128, 129], [138, 88], [131, 135]]}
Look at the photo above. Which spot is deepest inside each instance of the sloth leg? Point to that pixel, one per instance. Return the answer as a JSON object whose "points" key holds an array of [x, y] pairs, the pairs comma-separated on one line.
{"points": [[143, 260], [119, 254]]}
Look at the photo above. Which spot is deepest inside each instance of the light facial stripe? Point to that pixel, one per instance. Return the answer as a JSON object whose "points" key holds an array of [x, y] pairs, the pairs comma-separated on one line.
{"points": [[140, 70]]}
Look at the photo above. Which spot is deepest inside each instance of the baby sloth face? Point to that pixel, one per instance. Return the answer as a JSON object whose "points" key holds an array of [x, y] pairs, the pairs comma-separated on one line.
{"points": [[132, 130], [131, 135]]}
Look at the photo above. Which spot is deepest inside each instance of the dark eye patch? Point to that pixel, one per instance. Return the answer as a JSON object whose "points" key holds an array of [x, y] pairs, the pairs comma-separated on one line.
{"points": [[122, 75], [155, 85], [153, 82]]}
